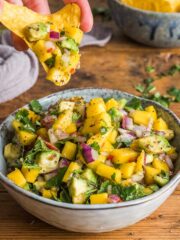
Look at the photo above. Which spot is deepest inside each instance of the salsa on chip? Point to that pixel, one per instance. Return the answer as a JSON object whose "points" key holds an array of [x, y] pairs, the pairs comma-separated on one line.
{"points": [[55, 38]]}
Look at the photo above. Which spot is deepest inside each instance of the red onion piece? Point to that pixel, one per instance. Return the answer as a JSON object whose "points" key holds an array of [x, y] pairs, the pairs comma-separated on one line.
{"points": [[169, 162], [123, 112], [54, 35], [63, 163], [48, 121], [50, 175], [162, 156], [127, 123], [113, 198], [150, 125], [139, 130], [88, 153], [60, 134], [137, 177]]}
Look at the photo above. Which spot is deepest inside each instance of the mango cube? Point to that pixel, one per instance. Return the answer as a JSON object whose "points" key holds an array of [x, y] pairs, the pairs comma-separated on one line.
{"points": [[30, 174], [17, 177], [72, 167], [111, 173], [127, 169], [101, 198], [69, 150], [123, 155], [160, 125]]}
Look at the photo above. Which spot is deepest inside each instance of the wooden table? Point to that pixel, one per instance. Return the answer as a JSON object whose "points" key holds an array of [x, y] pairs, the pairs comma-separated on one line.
{"points": [[119, 65]]}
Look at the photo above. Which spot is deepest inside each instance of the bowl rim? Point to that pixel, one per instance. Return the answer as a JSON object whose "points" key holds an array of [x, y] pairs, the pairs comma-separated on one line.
{"points": [[176, 14], [172, 183]]}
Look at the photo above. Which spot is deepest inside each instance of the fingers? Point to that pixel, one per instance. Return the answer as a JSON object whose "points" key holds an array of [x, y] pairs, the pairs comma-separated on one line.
{"points": [[17, 2], [1, 6], [40, 6], [86, 14]]}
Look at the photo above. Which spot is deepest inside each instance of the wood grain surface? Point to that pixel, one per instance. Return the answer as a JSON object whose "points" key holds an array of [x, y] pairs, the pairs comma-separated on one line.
{"points": [[119, 65]]}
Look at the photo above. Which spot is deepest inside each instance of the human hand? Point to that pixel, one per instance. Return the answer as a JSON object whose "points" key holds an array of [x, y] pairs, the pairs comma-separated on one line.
{"points": [[42, 6]]}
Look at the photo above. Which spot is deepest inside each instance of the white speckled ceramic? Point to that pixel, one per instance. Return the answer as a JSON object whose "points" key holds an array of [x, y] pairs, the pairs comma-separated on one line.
{"points": [[90, 218], [151, 28]]}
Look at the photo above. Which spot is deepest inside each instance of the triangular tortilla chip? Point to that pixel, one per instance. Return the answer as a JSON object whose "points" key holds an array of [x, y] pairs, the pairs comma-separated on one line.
{"points": [[18, 18]]}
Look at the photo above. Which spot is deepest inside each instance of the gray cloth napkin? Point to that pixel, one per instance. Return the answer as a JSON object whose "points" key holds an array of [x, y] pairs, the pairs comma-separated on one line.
{"points": [[19, 70]]}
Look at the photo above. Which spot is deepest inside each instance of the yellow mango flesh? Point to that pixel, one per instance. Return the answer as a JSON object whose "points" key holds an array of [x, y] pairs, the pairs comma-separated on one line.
{"points": [[112, 136], [160, 125], [94, 165], [17, 177], [71, 128], [160, 165], [150, 173], [153, 112], [111, 103], [127, 169], [42, 132], [156, 6], [111, 173], [123, 155], [95, 106], [69, 150], [141, 117], [107, 147], [72, 167], [30, 174], [26, 138], [63, 120], [101, 198], [140, 162]]}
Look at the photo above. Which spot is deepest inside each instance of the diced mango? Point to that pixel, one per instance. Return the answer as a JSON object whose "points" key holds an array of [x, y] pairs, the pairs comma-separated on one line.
{"points": [[127, 169], [16, 125], [33, 116], [66, 105], [140, 162], [17, 177], [72, 167], [30, 174], [95, 106], [111, 103], [74, 33], [109, 172], [161, 165], [63, 120], [112, 136], [93, 165], [46, 193], [93, 124], [101, 198], [71, 128], [107, 147], [69, 150], [150, 173], [98, 138], [42, 132], [153, 112], [141, 117], [123, 155], [26, 138], [160, 125]]}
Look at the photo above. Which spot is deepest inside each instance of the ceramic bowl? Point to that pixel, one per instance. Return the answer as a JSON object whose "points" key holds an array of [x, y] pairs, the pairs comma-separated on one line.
{"points": [[90, 218], [147, 27]]}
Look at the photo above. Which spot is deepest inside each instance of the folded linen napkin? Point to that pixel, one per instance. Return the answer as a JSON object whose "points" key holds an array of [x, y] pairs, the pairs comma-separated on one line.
{"points": [[19, 70]]}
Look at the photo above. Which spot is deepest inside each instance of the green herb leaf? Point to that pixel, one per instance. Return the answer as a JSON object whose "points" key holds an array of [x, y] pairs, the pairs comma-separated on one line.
{"points": [[131, 192], [140, 88], [95, 146], [174, 69], [175, 92], [113, 177], [64, 195], [50, 62], [134, 104], [56, 180], [148, 81], [27, 125], [103, 130], [150, 69], [35, 106], [76, 116]]}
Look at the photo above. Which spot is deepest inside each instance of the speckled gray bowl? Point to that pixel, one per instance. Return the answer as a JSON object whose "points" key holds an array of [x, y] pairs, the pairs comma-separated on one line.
{"points": [[147, 27], [90, 218]]}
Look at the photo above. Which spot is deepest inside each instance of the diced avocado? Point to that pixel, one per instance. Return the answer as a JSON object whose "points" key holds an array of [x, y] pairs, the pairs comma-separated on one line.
{"points": [[36, 31], [12, 152], [154, 187], [153, 144], [122, 102], [89, 175], [48, 161], [70, 44], [162, 179], [78, 188]]}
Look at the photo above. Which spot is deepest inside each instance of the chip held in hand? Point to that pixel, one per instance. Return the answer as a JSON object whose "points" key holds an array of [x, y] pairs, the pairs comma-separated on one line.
{"points": [[55, 38]]}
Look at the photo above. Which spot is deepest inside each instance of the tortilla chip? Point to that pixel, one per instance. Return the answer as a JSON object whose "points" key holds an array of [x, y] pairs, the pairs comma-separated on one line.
{"points": [[17, 18]]}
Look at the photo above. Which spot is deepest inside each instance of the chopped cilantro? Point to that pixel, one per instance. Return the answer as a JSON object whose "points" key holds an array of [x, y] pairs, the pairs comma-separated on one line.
{"points": [[103, 130], [50, 62], [150, 69], [113, 176], [76, 116], [134, 104], [95, 146], [140, 88], [175, 92], [147, 81], [22, 117], [173, 70], [56, 180], [35, 106]]}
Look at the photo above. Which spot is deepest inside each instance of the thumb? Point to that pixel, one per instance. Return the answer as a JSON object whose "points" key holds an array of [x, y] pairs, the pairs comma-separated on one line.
{"points": [[1, 6]]}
